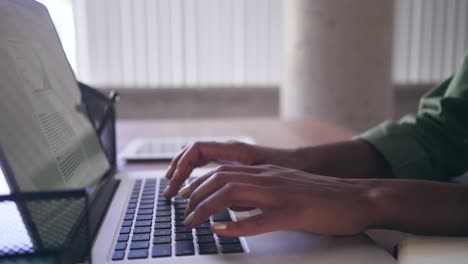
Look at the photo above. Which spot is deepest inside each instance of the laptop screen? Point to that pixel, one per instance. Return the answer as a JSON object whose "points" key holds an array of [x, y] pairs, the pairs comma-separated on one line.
{"points": [[45, 133]]}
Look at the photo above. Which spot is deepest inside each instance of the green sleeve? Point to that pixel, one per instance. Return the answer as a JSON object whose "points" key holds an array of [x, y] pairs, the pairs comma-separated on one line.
{"points": [[432, 144]]}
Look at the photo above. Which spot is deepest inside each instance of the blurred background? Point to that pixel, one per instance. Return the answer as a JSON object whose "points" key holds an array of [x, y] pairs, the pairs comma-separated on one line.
{"points": [[352, 63]]}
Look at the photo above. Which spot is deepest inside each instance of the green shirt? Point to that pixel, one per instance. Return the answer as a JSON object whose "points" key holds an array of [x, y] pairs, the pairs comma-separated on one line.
{"points": [[432, 144]]}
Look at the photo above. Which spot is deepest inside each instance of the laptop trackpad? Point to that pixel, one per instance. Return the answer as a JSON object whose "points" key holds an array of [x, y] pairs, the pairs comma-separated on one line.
{"points": [[299, 247]]}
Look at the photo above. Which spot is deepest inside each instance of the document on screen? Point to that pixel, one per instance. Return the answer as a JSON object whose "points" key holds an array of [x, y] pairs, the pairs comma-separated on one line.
{"points": [[47, 138]]}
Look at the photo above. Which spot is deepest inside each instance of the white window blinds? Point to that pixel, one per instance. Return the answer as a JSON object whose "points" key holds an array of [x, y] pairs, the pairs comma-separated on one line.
{"points": [[152, 43], [149, 43]]}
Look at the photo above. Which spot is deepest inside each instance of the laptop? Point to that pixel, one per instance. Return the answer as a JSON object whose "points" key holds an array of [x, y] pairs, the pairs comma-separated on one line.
{"points": [[48, 142], [166, 148]]}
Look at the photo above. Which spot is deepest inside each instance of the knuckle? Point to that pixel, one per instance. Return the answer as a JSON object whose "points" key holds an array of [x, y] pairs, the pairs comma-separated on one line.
{"points": [[236, 144], [203, 209], [196, 145], [219, 177], [267, 166], [229, 189], [192, 202], [222, 168]]}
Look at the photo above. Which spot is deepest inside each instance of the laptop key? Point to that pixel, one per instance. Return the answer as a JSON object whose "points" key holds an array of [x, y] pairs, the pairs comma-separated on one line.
{"points": [[128, 217], [165, 225], [167, 202], [143, 223], [179, 217], [162, 232], [182, 229], [132, 205], [162, 240], [144, 217], [141, 237], [125, 230], [163, 219], [145, 212], [163, 208], [179, 211], [183, 236], [180, 201], [178, 223], [123, 238], [161, 250], [204, 249], [163, 213], [149, 199], [147, 202], [180, 206], [118, 255], [184, 248], [203, 231], [205, 225], [147, 206], [222, 216], [205, 239], [127, 223], [130, 211], [228, 240], [121, 246], [138, 254], [232, 248], [139, 245], [142, 230]]}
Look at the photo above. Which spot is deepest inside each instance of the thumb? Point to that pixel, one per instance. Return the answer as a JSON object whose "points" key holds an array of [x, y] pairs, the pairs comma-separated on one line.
{"points": [[258, 224]]}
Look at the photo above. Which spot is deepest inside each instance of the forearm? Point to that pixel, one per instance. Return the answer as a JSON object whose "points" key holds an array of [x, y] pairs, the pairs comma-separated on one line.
{"points": [[347, 159], [419, 207]]}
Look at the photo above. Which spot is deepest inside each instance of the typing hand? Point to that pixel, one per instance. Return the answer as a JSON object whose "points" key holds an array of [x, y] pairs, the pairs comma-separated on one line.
{"points": [[201, 153], [289, 200]]}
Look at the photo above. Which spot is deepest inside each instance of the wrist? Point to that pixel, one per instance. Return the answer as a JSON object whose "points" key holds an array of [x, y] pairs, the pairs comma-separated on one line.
{"points": [[376, 208], [310, 159]]}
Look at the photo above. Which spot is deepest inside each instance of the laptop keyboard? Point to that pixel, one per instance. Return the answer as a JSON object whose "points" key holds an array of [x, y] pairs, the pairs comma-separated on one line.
{"points": [[153, 227]]}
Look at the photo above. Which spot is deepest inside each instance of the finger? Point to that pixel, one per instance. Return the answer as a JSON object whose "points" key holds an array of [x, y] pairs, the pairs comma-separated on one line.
{"points": [[173, 164], [187, 163], [241, 209], [200, 153], [232, 194], [187, 191], [221, 179], [258, 224]]}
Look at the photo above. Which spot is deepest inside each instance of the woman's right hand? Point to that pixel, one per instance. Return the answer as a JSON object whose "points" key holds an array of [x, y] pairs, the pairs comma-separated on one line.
{"points": [[201, 153]]}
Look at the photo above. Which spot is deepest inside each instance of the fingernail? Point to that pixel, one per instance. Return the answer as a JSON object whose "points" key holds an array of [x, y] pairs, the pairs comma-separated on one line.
{"points": [[167, 172], [187, 210], [174, 176], [165, 191], [184, 191], [189, 219], [219, 226]]}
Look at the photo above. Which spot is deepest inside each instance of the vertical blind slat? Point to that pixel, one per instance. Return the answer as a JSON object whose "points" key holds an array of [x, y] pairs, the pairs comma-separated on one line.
{"points": [[221, 42]]}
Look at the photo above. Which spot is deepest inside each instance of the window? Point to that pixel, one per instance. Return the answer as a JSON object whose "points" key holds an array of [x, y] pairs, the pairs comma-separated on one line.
{"points": [[164, 43], [61, 12]]}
